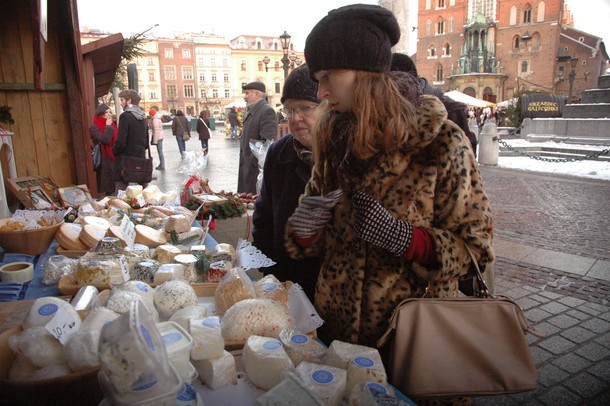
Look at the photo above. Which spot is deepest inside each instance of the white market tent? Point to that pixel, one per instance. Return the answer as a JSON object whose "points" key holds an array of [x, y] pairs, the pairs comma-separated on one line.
{"points": [[468, 100], [237, 104]]}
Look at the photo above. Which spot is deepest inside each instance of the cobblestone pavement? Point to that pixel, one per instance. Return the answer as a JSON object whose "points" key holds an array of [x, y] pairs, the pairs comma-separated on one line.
{"points": [[559, 214]]}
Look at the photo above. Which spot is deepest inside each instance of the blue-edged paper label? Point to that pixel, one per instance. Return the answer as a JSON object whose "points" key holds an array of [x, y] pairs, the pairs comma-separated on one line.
{"points": [[364, 362], [323, 377]]}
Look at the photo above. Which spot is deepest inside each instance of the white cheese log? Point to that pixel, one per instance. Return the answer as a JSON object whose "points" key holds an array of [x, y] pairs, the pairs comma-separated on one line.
{"points": [[207, 338]]}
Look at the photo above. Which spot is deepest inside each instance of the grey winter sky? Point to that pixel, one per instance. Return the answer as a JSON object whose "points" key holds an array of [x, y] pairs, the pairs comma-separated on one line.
{"points": [[232, 18]]}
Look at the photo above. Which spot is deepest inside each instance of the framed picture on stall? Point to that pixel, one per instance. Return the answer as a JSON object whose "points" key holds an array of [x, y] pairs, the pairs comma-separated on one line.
{"points": [[40, 200], [74, 196], [23, 187]]}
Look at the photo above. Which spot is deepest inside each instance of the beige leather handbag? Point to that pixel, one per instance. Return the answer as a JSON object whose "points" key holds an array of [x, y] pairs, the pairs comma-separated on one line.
{"points": [[459, 346]]}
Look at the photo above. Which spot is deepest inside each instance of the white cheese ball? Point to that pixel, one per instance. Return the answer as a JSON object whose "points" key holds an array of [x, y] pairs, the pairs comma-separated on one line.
{"points": [[141, 288], [182, 316], [119, 301], [262, 317], [39, 346], [45, 308], [173, 296]]}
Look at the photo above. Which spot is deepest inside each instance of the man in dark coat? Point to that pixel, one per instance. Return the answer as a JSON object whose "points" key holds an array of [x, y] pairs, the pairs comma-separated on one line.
{"points": [[132, 139], [260, 123], [287, 170], [456, 111], [233, 122]]}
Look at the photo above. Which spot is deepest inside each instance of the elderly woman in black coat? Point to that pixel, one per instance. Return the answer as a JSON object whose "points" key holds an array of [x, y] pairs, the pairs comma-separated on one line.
{"points": [[286, 172]]}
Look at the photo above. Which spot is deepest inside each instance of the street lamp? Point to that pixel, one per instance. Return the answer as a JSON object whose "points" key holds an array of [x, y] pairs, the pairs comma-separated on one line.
{"points": [[266, 61], [285, 40], [571, 76]]}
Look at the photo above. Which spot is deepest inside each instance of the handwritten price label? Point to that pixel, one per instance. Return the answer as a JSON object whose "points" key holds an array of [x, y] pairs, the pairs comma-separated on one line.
{"points": [[128, 230], [62, 326]]}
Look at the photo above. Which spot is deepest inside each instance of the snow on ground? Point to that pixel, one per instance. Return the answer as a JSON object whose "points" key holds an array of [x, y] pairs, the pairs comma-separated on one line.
{"points": [[586, 168]]}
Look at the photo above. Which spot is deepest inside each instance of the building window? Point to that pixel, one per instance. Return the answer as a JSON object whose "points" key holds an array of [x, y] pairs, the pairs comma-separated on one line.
{"points": [[535, 41], [524, 67], [215, 93], [189, 91], [202, 77], [516, 42], [214, 77], [541, 11], [187, 72], [451, 20], [226, 78], [439, 73], [447, 50], [225, 63], [513, 15], [227, 93], [243, 64], [440, 4], [213, 62], [277, 87], [151, 76], [186, 54], [151, 61], [259, 45], [170, 73], [428, 28], [527, 14], [260, 66], [431, 51], [428, 4], [171, 91], [440, 27], [169, 53], [200, 61], [152, 95]]}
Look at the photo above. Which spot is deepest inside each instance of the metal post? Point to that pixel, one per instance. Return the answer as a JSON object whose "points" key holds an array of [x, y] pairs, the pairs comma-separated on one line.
{"points": [[286, 65], [571, 77]]}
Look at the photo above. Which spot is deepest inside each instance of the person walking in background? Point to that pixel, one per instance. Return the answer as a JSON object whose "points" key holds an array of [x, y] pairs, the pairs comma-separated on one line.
{"points": [[287, 170], [203, 129], [132, 139], [181, 130], [456, 111], [395, 194], [104, 132], [233, 122], [157, 137], [260, 123]]}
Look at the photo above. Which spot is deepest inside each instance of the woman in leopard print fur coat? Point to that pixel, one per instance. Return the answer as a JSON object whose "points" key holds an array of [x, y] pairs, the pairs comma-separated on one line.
{"points": [[411, 195]]}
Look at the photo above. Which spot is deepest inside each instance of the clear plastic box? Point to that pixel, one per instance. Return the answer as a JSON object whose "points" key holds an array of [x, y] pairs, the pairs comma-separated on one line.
{"points": [[178, 344], [135, 368]]}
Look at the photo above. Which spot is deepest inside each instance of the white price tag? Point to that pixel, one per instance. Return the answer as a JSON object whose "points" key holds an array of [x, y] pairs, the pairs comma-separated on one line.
{"points": [[128, 230], [62, 326], [124, 269]]}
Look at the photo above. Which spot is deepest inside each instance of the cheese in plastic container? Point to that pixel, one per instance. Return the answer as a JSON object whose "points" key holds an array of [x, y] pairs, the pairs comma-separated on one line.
{"points": [[135, 368], [178, 344]]}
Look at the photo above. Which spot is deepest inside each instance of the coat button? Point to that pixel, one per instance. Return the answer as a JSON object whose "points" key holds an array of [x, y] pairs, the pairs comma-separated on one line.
{"points": [[356, 244]]}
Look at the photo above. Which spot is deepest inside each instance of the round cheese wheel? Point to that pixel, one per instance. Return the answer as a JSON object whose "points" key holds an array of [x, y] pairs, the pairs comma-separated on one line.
{"points": [[115, 231], [68, 237], [98, 222], [149, 236], [91, 235]]}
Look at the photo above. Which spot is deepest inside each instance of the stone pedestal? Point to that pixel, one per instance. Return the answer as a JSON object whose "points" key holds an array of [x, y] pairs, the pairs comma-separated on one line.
{"points": [[489, 148]]}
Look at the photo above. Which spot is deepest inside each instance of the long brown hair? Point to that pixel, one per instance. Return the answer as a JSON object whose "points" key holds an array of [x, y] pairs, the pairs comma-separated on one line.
{"points": [[384, 118]]}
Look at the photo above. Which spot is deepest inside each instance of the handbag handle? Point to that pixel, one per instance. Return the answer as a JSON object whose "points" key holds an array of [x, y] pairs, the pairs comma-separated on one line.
{"points": [[483, 289]]}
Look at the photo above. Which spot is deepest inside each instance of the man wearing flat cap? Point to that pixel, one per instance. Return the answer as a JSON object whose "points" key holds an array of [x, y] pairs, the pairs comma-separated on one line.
{"points": [[260, 123]]}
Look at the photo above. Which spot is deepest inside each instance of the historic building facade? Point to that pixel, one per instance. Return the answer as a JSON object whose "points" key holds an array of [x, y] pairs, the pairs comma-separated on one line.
{"points": [[493, 49]]}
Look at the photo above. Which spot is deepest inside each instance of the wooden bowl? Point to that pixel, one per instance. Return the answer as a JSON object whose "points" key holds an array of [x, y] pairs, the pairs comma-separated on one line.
{"points": [[31, 242]]}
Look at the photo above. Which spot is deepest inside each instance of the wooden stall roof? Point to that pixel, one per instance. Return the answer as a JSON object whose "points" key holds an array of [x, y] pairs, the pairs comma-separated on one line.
{"points": [[105, 55]]}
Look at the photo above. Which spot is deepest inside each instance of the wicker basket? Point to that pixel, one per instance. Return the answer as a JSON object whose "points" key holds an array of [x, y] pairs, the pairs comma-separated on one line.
{"points": [[31, 242]]}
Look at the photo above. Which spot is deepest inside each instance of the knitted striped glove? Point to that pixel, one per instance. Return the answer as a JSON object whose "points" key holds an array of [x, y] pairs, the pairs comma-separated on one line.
{"points": [[312, 213], [375, 225]]}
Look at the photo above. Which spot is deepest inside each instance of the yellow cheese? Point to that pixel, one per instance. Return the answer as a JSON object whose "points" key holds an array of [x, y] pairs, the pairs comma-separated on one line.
{"points": [[97, 222], [149, 236], [177, 223], [115, 231], [68, 237], [165, 254], [90, 235], [133, 191]]}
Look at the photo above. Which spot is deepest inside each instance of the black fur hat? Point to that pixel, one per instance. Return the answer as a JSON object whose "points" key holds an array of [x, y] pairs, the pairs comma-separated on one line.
{"points": [[300, 86], [358, 37]]}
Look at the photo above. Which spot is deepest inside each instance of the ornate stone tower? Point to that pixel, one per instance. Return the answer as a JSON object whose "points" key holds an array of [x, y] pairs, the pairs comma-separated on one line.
{"points": [[400, 8]]}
